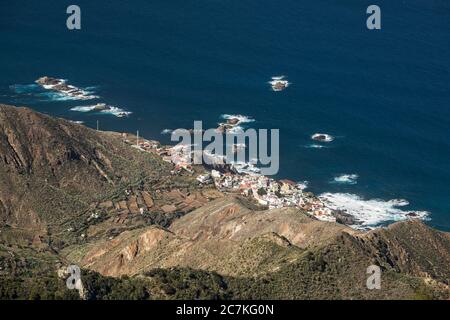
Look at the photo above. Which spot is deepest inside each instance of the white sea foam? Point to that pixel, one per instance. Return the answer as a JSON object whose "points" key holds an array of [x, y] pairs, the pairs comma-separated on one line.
{"points": [[323, 137], [303, 185], [40, 93], [279, 83], [370, 213], [315, 146], [235, 129], [66, 91], [241, 118], [118, 112], [103, 108], [346, 179], [83, 108], [92, 88], [245, 168], [167, 131]]}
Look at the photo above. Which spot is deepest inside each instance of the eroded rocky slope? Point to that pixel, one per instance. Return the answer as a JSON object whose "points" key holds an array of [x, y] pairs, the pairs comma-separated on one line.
{"points": [[69, 194]]}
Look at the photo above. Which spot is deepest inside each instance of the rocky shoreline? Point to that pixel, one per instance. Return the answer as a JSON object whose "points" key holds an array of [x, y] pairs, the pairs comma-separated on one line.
{"points": [[267, 192], [61, 86], [231, 124], [126, 214], [246, 180]]}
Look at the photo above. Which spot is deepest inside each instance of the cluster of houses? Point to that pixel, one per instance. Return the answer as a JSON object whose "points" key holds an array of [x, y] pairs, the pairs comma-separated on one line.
{"points": [[179, 155], [269, 192], [266, 191]]}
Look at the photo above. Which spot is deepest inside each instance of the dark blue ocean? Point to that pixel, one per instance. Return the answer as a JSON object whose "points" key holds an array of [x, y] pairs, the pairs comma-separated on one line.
{"points": [[384, 95]]}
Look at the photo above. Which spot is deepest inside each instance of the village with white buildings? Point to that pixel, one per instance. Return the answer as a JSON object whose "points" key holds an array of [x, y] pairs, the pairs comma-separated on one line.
{"points": [[269, 192], [242, 179]]}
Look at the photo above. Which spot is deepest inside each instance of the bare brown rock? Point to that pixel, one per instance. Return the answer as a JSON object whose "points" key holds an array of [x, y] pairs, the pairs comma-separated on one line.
{"points": [[147, 199]]}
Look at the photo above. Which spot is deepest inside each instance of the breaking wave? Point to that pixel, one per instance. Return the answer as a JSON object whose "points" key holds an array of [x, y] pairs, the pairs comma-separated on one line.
{"points": [[239, 117], [322, 137], [167, 131], [118, 112], [302, 185], [65, 91], [371, 213], [83, 108], [279, 83], [346, 179], [50, 93], [103, 108], [315, 146]]}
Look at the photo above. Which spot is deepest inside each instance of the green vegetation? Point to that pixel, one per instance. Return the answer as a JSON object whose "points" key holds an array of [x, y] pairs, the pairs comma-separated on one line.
{"points": [[262, 192], [181, 283]]}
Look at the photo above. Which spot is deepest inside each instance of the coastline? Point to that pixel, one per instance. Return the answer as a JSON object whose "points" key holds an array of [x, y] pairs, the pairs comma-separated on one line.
{"points": [[265, 191], [363, 206], [245, 178], [326, 177]]}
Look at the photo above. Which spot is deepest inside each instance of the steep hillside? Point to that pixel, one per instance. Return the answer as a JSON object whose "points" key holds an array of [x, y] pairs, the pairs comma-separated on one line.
{"points": [[73, 195], [338, 270], [282, 253], [57, 179], [223, 236]]}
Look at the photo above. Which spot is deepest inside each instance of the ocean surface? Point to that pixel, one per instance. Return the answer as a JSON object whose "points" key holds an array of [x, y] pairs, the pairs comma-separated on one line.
{"points": [[384, 95]]}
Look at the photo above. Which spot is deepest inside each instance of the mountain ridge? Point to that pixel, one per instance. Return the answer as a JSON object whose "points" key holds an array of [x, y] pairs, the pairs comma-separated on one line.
{"points": [[70, 194]]}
